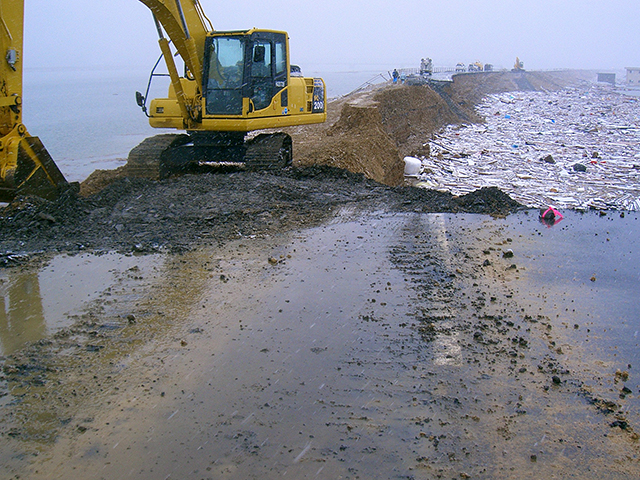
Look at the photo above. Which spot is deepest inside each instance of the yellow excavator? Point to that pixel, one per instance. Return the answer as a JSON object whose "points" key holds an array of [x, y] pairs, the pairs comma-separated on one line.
{"points": [[233, 83], [518, 66]]}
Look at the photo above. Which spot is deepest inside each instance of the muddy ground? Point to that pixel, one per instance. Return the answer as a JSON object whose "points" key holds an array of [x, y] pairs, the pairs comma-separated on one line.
{"points": [[310, 323]]}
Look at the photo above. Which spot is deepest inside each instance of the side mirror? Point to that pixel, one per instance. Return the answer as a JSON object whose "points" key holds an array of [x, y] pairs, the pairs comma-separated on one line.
{"points": [[140, 100]]}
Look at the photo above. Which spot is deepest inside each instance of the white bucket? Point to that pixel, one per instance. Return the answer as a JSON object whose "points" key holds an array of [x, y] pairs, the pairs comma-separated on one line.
{"points": [[412, 166]]}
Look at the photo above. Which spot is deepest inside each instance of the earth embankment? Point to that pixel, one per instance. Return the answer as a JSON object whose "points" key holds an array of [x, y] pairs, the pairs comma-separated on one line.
{"points": [[370, 131]]}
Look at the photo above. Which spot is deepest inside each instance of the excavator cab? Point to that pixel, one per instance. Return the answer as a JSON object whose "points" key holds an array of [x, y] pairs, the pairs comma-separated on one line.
{"points": [[246, 85], [237, 67]]}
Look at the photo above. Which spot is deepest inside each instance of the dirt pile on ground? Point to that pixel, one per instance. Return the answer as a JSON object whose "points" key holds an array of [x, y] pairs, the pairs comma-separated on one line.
{"points": [[142, 215]]}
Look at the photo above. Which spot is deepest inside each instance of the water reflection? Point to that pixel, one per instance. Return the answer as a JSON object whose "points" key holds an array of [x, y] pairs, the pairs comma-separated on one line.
{"points": [[38, 301], [21, 312]]}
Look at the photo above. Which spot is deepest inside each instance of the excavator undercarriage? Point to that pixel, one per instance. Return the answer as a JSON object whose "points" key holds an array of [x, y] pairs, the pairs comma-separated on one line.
{"points": [[200, 152], [167, 155]]}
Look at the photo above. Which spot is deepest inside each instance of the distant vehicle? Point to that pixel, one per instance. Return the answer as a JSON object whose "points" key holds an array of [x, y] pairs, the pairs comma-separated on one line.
{"points": [[475, 67], [488, 67], [518, 66], [426, 66], [461, 68]]}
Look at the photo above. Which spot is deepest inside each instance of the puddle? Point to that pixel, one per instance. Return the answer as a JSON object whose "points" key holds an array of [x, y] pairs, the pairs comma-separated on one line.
{"points": [[583, 275], [37, 302]]}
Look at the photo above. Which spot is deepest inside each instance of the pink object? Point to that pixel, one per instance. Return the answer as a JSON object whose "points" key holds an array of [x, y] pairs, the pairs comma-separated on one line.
{"points": [[551, 217]]}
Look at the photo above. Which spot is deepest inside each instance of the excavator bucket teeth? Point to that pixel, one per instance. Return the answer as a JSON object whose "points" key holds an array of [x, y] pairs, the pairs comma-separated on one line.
{"points": [[36, 172]]}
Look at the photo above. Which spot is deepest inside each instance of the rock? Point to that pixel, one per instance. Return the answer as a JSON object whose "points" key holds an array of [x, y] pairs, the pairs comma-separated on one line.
{"points": [[548, 159], [556, 380], [507, 253], [578, 167], [47, 217], [619, 423]]}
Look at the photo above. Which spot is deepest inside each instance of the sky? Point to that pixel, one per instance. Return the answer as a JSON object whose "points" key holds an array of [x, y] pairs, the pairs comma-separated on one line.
{"points": [[353, 35]]}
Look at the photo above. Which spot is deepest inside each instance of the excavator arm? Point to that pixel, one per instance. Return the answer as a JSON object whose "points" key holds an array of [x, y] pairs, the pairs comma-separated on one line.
{"points": [[184, 23], [25, 165]]}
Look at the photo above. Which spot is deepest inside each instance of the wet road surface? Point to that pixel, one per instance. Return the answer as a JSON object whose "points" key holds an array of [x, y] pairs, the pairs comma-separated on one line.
{"points": [[405, 346]]}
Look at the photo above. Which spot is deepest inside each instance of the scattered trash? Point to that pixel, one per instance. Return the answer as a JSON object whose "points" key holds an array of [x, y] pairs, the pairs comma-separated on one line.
{"points": [[530, 143], [551, 217], [412, 166]]}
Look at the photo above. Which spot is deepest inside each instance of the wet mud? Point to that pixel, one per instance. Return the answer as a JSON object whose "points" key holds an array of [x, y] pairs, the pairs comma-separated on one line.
{"points": [[375, 345]]}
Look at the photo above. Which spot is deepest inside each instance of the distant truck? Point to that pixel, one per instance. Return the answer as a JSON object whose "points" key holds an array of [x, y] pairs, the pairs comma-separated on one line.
{"points": [[461, 68], [475, 67], [488, 67], [426, 66]]}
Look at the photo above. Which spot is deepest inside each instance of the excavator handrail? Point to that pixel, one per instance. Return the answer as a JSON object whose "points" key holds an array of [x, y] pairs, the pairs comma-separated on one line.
{"points": [[184, 25]]}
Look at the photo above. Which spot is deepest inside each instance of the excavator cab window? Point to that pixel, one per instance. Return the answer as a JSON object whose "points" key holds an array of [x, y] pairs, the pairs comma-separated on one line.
{"points": [[261, 75], [252, 66], [268, 69], [224, 78]]}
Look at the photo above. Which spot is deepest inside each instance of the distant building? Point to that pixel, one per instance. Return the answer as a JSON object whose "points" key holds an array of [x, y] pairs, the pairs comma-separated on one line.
{"points": [[607, 78], [633, 76]]}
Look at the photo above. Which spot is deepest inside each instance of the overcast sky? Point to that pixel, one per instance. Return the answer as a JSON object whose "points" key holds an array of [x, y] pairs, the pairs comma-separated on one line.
{"points": [[347, 35]]}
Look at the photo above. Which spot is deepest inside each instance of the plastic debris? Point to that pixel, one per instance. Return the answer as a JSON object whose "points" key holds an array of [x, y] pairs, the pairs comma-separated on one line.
{"points": [[532, 143], [412, 166], [551, 217]]}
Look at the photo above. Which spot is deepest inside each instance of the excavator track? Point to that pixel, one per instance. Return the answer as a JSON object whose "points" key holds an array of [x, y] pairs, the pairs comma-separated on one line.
{"points": [[180, 154], [269, 152], [144, 160]]}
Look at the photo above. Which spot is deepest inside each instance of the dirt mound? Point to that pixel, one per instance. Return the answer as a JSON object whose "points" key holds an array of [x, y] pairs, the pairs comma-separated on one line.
{"points": [[142, 215]]}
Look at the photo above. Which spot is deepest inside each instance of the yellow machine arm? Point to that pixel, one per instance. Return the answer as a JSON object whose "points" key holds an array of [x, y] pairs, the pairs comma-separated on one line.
{"points": [[25, 165], [184, 22]]}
